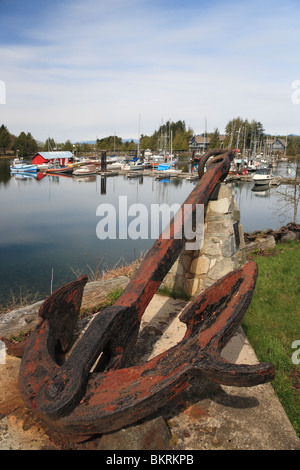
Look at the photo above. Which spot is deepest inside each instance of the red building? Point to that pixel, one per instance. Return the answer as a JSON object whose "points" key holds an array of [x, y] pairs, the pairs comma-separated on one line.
{"points": [[42, 158]]}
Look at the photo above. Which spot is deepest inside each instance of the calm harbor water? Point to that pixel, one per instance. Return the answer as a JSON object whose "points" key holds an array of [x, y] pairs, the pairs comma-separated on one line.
{"points": [[48, 225]]}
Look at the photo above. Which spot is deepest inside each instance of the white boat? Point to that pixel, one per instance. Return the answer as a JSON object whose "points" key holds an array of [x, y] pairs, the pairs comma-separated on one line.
{"points": [[132, 166], [157, 159], [173, 171], [85, 170], [111, 159], [43, 166], [19, 165], [114, 166], [262, 176]]}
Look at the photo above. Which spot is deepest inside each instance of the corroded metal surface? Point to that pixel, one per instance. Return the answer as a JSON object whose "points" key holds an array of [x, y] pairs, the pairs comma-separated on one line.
{"points": [[75, 401]]}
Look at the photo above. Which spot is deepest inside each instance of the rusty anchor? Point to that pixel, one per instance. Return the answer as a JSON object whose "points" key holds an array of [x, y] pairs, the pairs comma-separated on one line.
{"points": [[92, 390]]}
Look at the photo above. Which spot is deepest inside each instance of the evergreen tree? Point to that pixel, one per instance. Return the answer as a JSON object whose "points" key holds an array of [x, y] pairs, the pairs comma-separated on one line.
{"points": [[4, 138], [293, 146], [244, 135], [68, 146], [49, 145], [215, 140], [25, 145]]}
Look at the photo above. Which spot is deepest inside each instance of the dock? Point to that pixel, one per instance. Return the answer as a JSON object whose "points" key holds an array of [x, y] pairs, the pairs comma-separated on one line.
{"points": [[193, 176]]}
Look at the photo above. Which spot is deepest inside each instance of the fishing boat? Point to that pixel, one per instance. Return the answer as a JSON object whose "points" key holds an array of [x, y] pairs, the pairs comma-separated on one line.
{"points": [[59, 170], [21, 166], [85, 170]]}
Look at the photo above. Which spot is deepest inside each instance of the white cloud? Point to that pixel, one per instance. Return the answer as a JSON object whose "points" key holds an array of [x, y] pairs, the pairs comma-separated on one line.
{"points": [[91, 67]]}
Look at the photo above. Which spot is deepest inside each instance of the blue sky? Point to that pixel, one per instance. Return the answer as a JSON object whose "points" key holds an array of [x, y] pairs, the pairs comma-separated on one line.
{"points": [[78, 70]]}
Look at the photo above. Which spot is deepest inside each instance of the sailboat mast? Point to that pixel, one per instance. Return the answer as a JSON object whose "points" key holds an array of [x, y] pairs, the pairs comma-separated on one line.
{"points": [[138, 154]]}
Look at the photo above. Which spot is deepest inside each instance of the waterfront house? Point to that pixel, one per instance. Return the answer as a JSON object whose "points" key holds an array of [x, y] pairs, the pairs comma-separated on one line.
{"points": [[275, 145], [61, 157], [199, 143]]}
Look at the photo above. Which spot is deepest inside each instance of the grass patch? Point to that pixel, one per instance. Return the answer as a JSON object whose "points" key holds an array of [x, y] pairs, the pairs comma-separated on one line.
{"points": [[272, 322], [99, 273], [174, 294], [18, 301]]}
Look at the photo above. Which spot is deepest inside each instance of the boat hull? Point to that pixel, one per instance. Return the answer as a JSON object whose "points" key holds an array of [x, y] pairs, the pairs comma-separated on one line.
{"points": [[60, 171], [263, 180], [23, 168]]}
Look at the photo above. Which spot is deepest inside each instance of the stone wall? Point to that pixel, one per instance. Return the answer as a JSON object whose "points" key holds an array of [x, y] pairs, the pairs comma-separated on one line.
{"points": [[222, 250]]}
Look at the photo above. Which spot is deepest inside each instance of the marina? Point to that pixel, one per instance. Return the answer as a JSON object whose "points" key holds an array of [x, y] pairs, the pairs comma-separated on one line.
{"points": [[49, 220]]}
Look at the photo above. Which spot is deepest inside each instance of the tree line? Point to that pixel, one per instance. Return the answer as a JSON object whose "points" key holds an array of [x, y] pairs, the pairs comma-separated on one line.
{"points": [[170, 136]]}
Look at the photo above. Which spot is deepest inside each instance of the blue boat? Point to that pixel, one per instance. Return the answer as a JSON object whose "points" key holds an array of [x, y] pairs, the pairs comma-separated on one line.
{"points": [[21, 166], [164, 167]]}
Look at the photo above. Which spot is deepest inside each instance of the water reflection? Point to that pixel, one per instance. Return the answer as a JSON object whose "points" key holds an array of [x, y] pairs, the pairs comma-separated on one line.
{"points": [[49, 222], [4, 172], [262, 190]]}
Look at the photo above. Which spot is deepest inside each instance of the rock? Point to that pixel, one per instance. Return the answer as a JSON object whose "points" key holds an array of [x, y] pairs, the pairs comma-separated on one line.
{"points": [[24, 319], [220, 269], [149, 435], [290, 236], [200, 265], [261, 243], [220, 206], [95, 293], [19, 320], [266, 243], [228, 247]]}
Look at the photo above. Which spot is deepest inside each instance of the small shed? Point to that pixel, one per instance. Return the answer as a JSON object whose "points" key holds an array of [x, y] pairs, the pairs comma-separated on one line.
{"points": [[49, 157]]}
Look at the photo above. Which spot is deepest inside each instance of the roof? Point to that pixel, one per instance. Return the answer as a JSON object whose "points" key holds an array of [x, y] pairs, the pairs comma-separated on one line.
{"points": [[275, 140], [51, 155], [276, 143], [199, 139]]}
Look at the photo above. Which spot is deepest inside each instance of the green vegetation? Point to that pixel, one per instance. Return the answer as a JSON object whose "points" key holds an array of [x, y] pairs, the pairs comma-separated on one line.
{"points": [[175, 131], [272, 322], [174, 294], [242, 134], [239, 133], [25, 145], [293, 146], [4, 139]]}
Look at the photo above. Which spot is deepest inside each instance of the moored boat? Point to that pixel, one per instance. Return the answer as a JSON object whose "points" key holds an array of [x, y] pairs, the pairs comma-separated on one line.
{"points": [[262, 176], [85, 170], [168, 168], [21, 166], [132, 166], [62, 170]]}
